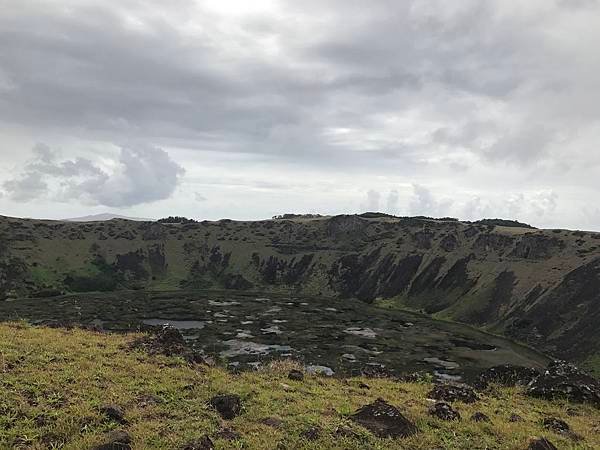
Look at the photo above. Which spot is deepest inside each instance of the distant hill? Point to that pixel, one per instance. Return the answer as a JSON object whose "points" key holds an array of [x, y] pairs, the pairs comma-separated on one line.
{"points": [[104, 217], [538, 286]]}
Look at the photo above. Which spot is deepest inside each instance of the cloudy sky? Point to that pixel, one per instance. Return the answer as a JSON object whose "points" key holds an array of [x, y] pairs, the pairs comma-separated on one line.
{"points": [[238, 109]]}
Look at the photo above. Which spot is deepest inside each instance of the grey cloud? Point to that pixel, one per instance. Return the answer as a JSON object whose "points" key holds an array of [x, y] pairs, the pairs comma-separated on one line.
{"points": [[142, 175], [436, 91], [25, 188], [524, 145], [88, 71], [531, 206]]}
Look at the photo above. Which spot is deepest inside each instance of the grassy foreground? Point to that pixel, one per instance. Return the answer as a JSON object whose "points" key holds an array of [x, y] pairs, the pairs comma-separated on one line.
{"points": [[53, 383]]}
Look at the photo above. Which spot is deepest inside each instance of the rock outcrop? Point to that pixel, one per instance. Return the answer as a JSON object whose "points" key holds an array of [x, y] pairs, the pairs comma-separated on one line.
{"points": [[564, 380]]}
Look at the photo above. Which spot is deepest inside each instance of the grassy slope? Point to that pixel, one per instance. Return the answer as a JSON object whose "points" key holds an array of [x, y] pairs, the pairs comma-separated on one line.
{"points": [[52, 383]]}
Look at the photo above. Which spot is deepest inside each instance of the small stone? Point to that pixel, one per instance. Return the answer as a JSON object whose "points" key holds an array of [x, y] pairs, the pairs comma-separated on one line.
{"points": [[286, 387], [311, 434], [480, 417], [296, 375], [541, 444], [364, 386], [114, 413], [148, 400], [228, 406], [443, 411], [515, 418], [273, 422]]}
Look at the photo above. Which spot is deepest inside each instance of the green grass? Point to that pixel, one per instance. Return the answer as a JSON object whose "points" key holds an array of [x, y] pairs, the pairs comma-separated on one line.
{"points": [[53, 383]]}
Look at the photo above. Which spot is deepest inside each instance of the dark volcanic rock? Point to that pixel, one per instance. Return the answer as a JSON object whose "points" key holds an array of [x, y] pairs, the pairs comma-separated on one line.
{"points": [[374, 370], [116, 440], [228, 434], [443, 411], [508, 375], [273, 422], [296, 375], [114, 413], [170, 337], [556, 425], [227, 405], [515, 418], [480, 417], [343, 431], [204, 443], [169, 341], [541, 444], [453, 393], [564, 380], [384, 420], [311, 434]]}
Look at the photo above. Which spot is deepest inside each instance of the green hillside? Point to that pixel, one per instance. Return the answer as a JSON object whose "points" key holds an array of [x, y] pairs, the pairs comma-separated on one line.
{"points": [[538, 286]]}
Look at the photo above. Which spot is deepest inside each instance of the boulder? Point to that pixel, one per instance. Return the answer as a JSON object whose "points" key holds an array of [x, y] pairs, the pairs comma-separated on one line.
{"points": [[480, 417], [453, 392], [204, 443], [564, 380], [169, 341], [311, 434], [443, 411], [556, 425], [114, 413], [169, 338], [560, 427], [507, 375], [115, 440], [384, 420], [296, 375], [228, 406], [541, 444]]}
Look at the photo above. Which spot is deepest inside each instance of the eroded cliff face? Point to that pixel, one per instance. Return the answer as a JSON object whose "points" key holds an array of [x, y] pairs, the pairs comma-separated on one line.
{"points": [[541, 286]]}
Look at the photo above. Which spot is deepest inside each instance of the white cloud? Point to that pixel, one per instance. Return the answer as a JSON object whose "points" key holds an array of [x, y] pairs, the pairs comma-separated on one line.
{"points": [[141, 175], [371, 203], [424, 203]]}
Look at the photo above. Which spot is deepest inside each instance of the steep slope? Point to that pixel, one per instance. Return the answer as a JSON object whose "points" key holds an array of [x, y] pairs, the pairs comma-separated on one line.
{"points": [[540, 286]]}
